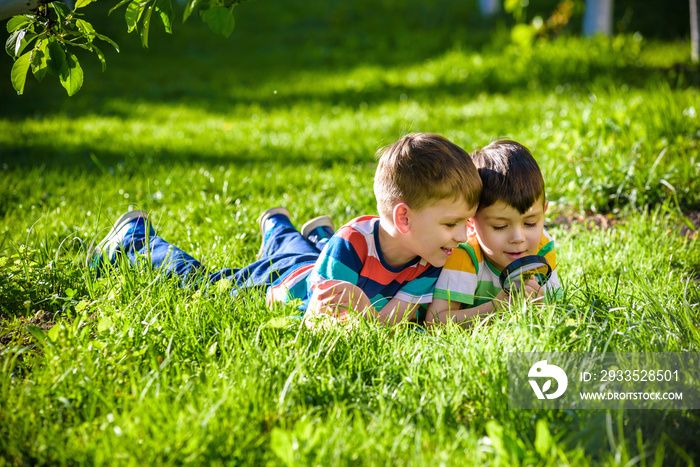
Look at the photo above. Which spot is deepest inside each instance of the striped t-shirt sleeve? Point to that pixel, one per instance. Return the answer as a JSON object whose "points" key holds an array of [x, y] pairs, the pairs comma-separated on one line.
{"points": [[420, 290], [458, 280], [341, 259], [352, 256], [546, 249]]}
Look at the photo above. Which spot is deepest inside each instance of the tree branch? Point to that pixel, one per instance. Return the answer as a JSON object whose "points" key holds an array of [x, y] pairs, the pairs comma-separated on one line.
{"points": [[10, 8]]}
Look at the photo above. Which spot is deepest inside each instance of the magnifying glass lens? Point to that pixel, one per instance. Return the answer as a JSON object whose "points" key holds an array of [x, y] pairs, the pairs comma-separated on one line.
{"points": [[532, 266]]}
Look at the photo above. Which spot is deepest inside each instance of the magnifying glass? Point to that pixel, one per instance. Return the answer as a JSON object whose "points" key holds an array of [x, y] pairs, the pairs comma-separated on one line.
{"points": [[527, 267]]}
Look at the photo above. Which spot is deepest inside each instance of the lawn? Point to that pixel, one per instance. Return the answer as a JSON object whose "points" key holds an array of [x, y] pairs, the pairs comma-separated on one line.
{"points": [[205, 133]]}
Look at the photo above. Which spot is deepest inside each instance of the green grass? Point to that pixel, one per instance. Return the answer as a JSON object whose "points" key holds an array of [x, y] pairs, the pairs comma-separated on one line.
{"points": [[205, 133]]}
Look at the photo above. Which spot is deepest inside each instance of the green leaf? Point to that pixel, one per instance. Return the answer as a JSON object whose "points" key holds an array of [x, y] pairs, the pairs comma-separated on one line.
{"points": [[13, 45], [104, 324], [146, 27], [164, 8], [132, 15], [543, 439], [57, 59], [19, 72], [86, 28], [220, 19], [54, 332], [17, 22], [511, 5], [122, 3], [61, 9], [230, 23], [279, 322], [108, 40], [190, 6], [37, 332], [495, 434], [40, 63], [74, 79], [82, 3], [282, 445], [23, 40], [66, 403], [523, 35], [223, 286], [100, 56]]}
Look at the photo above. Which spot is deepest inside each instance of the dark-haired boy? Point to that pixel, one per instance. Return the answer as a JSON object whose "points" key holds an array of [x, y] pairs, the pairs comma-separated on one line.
{"points": [[508, 225]]}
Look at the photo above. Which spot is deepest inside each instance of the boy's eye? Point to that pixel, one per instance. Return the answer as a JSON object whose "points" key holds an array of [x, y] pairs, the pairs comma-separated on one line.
{"points": [[530, 224], [451, 226], [499, 227]]}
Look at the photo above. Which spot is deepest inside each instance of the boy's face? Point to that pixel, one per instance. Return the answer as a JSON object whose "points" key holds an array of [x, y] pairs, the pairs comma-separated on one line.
{"points": [[505, 234], [438, 228]]}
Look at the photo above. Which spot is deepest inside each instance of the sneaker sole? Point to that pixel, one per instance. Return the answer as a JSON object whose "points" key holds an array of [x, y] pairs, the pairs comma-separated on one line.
{"points": [[320, 221], [261, 223], [118, 225]]}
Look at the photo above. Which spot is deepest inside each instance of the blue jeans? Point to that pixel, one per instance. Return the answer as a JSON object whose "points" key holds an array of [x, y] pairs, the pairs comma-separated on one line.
{"points": [[284, 250]]}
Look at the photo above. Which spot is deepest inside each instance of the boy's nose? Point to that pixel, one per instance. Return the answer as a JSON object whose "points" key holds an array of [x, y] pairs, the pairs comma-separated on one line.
{"points": [[460, 235], [517, 236]]}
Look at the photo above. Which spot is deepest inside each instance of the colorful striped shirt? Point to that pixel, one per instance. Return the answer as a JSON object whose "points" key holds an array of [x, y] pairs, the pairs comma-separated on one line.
{"points": [[469, 278], [354, 255]]}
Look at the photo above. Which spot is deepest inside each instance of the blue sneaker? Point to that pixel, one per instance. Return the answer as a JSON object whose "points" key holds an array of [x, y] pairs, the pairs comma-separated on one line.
{"points": [[318, 231], [262, 219], [108, 246]]}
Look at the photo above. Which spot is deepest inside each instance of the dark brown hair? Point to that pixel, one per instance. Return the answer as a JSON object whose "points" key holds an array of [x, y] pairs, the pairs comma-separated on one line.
{"points": [[510, 174]]}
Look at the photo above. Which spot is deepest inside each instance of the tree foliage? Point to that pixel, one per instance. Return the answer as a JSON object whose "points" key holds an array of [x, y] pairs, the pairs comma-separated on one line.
{"points": [[43, 40]]}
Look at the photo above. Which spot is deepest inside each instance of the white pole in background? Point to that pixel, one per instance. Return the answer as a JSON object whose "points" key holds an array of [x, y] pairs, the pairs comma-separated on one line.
{"points": [[488, 7], [597, 17], [694, 31]]}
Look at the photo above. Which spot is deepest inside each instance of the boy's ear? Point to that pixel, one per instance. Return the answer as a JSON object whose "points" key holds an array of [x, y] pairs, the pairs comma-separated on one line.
{"points": [[471, 230], [401, 217], [546, 205]]}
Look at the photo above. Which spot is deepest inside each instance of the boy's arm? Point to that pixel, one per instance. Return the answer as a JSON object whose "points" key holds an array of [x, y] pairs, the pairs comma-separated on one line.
{"points": [[336, 299], [547, 249], [335, 290], [442, 311], [339, 299]]}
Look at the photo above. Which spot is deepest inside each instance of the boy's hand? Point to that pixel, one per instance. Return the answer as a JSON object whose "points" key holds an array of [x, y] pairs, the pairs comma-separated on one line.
{"points": [[530, 289], [501, 300], [336, 299], [339, 299]]}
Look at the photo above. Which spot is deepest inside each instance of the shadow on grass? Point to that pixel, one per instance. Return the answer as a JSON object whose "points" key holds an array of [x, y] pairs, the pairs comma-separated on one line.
{"points": [[311, 43], [670, 436], [271, 40], [127, 162], [219, 92]]}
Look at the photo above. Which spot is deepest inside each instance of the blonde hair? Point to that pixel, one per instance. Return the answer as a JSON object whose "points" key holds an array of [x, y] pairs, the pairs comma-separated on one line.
{"points": [[424, 167]]}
